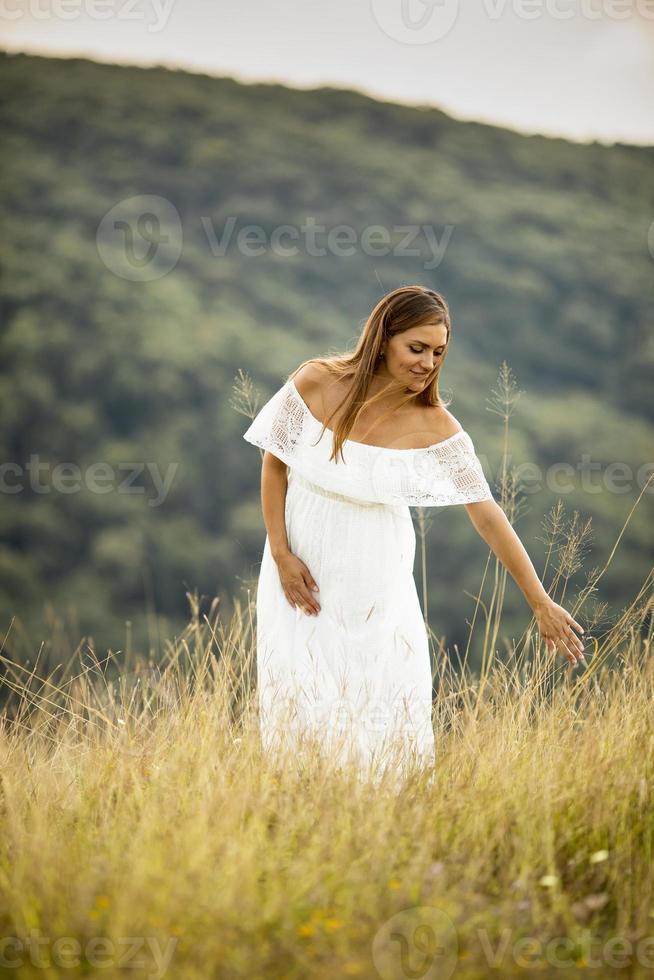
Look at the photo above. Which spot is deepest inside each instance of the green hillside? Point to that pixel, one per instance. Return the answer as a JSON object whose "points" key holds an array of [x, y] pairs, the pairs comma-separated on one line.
{"points": [[543, 258]]}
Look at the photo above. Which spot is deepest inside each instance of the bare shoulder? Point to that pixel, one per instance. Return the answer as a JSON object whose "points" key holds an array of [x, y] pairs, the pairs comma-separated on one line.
{"points": [[441, 423], [311, 382], [309, 378]]}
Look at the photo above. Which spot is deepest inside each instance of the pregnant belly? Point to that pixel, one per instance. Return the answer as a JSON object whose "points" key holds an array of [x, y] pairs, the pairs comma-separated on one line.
{"points": [[361, 555]]}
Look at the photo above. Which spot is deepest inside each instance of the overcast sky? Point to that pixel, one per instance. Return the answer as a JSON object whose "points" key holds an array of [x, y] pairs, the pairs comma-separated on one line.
{"points": [[583, 69]]}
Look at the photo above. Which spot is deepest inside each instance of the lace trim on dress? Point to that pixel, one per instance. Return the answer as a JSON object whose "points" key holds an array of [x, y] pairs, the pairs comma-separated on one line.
{"points": [[288, 424], [448, 472]]}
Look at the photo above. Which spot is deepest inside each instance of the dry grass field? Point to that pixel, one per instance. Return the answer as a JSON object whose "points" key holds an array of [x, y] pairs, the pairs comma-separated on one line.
{"points": [[145, 831]]}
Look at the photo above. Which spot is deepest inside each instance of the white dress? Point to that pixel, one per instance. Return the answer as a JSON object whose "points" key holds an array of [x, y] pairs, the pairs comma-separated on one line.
{"points": [[358, 675]]}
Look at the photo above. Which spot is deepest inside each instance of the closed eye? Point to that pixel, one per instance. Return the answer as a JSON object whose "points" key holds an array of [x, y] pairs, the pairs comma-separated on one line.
{"points": [[419, 351]]}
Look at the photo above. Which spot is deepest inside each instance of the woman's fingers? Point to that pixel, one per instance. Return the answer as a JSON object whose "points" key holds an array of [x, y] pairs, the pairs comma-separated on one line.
{"points": [[312, 595], [311, 606], [567, 644], [569, 648], [307, 602], [567, 652], [308, 588], [571, 653], [574, 640]]}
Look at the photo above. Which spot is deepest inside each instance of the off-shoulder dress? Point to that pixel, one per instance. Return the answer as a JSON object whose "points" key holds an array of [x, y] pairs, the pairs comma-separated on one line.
{"points": [[358, 675]]}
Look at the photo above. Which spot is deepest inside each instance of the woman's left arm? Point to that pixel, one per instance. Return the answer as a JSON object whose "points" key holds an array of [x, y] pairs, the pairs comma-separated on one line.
{"points": [[554, 622]]}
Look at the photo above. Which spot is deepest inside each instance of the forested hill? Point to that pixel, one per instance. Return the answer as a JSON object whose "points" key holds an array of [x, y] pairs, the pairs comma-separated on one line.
{"points": [[540, 246]]}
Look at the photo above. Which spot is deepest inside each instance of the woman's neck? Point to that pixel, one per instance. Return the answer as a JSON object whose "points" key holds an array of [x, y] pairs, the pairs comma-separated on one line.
{"points": [[394, 398]]}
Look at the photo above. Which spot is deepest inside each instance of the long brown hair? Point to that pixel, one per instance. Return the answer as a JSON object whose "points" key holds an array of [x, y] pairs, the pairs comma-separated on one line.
{"points": [[397, 311]]}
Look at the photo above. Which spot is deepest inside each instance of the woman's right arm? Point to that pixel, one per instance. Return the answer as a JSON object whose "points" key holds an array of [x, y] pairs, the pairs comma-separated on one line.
{"points": [[274, 483], [296, 579]]}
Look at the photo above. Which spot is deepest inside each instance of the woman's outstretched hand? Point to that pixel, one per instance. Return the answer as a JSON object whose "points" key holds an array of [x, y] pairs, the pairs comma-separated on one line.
{"points": [[556, 628], [298, 583]]}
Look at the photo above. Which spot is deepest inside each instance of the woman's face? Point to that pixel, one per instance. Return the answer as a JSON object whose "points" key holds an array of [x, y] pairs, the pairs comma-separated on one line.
{"points": [[410, 357]]}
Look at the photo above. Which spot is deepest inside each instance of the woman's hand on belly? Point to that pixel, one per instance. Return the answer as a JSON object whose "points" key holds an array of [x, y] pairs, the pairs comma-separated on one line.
{"points": [[298, 583]]}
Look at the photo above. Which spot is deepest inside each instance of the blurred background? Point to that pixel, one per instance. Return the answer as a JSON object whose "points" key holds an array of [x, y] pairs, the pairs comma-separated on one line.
{"points": [[197, 193]]}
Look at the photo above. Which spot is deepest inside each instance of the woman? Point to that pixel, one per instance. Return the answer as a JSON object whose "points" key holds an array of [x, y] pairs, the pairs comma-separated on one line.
{"points": [[342, 648]]}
